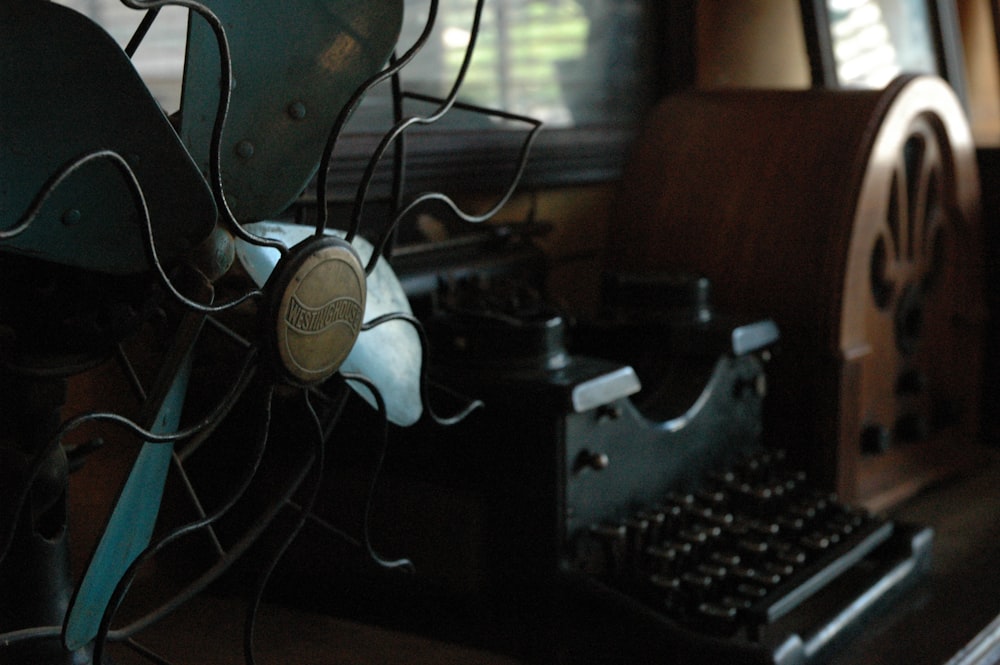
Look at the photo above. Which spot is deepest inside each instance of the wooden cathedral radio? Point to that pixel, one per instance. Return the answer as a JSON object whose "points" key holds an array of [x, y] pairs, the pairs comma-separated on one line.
{"points": [[850, 217]]}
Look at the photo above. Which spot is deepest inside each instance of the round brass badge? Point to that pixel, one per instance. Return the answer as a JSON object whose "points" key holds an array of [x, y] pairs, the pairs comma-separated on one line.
{"points": [[319, 297]]}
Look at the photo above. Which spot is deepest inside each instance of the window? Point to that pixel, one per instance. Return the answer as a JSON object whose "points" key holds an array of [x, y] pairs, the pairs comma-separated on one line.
{"points": [[874, 42], [575, 64], [867, 43]]}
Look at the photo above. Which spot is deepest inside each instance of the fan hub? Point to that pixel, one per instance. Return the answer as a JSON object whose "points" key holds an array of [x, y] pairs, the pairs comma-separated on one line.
{"points": [[315, 307]]}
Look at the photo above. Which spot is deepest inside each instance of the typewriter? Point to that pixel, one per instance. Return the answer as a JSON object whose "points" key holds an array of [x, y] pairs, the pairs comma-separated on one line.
{"points": [[616, 499]]}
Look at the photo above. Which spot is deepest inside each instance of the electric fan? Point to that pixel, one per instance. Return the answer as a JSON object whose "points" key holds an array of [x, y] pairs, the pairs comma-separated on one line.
{"points": [[149, 243]]}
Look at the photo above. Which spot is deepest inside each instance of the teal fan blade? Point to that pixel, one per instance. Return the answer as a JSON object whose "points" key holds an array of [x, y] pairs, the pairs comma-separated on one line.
{"points": [[52, 115], [284, 100]]}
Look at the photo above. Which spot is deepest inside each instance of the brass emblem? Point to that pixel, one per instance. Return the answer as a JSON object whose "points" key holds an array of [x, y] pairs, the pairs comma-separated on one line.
{"points": [[320, 311]]}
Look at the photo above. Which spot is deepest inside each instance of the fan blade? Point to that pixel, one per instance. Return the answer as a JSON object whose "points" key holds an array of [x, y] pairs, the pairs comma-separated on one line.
{"points": [[130, 527], [53, 112], [390, 354], [296, 66]]}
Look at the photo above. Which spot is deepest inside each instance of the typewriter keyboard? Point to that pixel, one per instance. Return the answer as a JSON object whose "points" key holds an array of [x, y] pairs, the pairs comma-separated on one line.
{"points": [[747, 547]]}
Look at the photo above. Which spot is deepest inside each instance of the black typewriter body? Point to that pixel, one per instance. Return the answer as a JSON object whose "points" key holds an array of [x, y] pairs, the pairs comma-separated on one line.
{"points": [[589, 514]]}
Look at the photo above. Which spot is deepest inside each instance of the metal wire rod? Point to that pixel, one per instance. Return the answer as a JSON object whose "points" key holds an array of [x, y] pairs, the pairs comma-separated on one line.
{"points": [[400, 127], [471, 406], [359, 94], [317, 467], [121, 589]]}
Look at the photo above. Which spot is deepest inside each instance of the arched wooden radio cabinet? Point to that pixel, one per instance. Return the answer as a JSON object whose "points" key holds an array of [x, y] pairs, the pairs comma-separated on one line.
{"points": [[852, 219]]}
